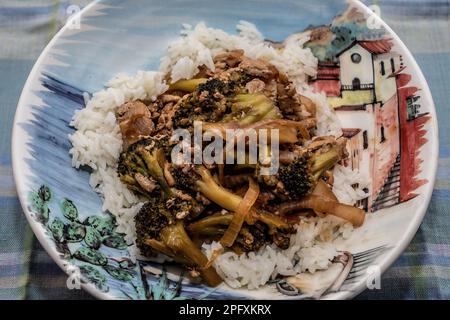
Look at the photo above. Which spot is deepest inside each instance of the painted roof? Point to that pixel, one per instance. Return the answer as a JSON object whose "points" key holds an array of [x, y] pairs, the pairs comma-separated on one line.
{"points": [[350, 133], [328, 71], [358, 107], [379, 46]]}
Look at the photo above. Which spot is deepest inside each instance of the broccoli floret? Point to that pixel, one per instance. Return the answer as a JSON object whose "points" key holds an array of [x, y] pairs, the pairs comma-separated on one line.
{"points": [[210, 100], [140, 167], [253, 237], [301, 176], [206, 103], [151, 219], [216, 86], [199, 179], [215, 100], [247, 109], [159, 230]]}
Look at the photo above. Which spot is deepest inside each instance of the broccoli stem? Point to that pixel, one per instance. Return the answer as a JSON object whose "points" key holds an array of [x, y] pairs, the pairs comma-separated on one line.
{"points": [[230, 201], [217, 194], [176, 239], [323, 162], [272, 114], [128, 179], [248, 109], [258, 106], [155, 171], [209, 222], [216, 221], [272, 221], [212, 232], [187, 85], [136, 164], [133, 185], [160, 247]]}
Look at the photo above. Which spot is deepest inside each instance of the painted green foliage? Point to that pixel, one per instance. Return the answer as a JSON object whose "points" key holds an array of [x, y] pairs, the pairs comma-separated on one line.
{"points": [[104, 226], [90, 255], [69, 210], [342, 36], [74, 232], [161, 290], [57, 229], [94, 276], [119, 273], [39, 202], [89, 235], [93, 238], [115, 240]]}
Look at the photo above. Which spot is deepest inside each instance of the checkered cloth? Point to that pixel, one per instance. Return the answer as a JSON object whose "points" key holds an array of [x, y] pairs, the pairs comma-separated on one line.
{"points": [[26, 270]]}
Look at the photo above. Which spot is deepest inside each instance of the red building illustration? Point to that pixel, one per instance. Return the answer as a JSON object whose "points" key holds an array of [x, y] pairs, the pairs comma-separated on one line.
{"points": [[380, 115]]}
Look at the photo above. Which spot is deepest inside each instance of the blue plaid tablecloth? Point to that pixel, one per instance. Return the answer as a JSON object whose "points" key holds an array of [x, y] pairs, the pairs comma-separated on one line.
{"points": [[26, 270]]}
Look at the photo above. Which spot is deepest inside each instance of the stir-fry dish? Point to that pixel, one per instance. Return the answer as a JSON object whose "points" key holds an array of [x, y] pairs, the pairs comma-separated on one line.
{"points": [[187, 205]]}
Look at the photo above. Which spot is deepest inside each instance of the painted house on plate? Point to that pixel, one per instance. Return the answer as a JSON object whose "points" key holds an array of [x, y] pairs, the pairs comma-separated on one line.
{"points": [[363, 88]]}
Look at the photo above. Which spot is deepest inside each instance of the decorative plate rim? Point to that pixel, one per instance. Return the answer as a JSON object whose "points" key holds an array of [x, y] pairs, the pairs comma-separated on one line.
{"points": [[385, 263]]}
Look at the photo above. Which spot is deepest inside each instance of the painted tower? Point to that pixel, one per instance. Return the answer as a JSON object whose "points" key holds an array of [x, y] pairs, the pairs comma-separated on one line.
{"points": [[362, 88]]}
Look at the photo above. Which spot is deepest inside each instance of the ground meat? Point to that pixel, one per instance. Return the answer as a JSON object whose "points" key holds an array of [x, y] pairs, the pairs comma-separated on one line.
{"points": [[164, 113], [148, 184], [255, 86], [135, 122], [204, 72], [258, 68], [264, 197], [292, 105], [166, 98], [228, 60], [271, 89]]}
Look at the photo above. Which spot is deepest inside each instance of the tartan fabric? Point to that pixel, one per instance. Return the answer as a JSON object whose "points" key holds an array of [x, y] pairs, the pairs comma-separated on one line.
{"points": [[27, 272]]}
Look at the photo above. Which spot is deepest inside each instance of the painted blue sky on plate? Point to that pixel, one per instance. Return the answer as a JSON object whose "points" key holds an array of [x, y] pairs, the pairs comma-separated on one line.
{"points": [[127, 36]]}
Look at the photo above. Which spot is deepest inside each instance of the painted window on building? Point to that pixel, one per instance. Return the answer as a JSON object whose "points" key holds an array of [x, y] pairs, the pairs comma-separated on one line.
{"points": [[356, 58], [412, 107], [356, 84], [382, 134], [383, 70], [363, 204], [392, 65], [365, 140]]}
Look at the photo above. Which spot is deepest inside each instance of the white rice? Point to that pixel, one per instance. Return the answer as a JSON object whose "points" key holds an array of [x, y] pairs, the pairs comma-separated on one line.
{"points": [[97, 143], [200, 44], [343, 188], [311, 249]]}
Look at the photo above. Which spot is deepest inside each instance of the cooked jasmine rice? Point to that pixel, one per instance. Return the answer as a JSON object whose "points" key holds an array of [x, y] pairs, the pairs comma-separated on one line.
{"points": [[311, 249], [97, 143]]}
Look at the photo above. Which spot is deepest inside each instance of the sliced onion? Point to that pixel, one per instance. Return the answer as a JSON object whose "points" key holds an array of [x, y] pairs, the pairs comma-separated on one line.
{"points": [[239, 216], [287, 128], [215, 254], [352, 214]]}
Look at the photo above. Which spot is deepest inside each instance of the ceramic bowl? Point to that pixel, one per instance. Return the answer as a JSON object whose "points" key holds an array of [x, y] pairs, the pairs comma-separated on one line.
{"points": [[368, 74]]}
